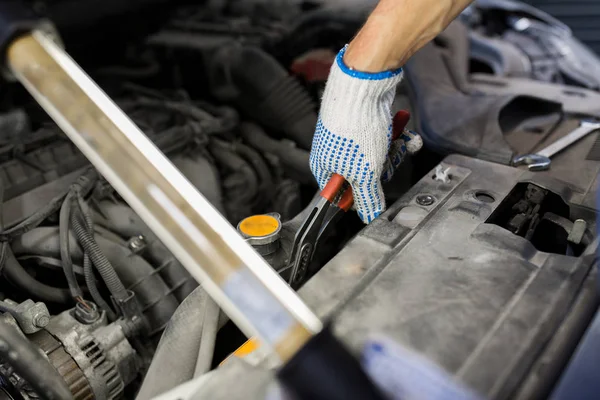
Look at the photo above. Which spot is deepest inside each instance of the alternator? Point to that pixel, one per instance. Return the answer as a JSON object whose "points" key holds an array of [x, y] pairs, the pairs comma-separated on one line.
{"points": [[94, 358]]}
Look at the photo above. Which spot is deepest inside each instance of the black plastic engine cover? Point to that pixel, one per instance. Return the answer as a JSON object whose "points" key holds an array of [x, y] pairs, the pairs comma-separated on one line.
{"points": [[437, 276], [462, 112]]}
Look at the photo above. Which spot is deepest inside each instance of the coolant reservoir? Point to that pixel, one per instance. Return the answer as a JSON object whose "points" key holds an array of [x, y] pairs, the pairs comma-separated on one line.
{"points": [[262, 232]]}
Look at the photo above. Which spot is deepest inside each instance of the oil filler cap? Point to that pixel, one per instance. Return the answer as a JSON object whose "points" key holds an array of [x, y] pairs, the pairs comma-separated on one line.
{"points": [[262, 232]]}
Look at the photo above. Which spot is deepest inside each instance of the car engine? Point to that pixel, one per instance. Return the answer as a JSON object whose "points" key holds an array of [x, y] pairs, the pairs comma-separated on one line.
{"points": [[213, 87], [484, 269]]}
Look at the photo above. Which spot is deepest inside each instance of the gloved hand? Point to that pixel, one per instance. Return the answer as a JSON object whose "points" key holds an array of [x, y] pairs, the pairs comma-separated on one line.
{"points": [[354, 135]]}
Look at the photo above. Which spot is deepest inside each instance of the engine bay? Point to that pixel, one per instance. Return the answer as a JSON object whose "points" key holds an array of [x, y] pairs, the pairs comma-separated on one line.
{"points": [[484, 269]]}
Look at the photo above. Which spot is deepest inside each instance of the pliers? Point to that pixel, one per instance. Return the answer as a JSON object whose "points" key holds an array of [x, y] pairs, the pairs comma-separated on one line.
{"points": [[336, 199]]}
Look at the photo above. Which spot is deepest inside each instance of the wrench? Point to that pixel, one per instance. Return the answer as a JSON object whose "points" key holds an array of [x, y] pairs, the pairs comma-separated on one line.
{"points": [[541, 160]]}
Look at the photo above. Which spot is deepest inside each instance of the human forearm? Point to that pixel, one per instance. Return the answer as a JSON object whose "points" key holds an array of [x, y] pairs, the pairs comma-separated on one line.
{"points": [[397, 29]]}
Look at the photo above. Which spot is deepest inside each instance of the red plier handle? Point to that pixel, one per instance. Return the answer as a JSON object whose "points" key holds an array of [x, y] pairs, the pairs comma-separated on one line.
{"points": [[337, 193], [332, 191]]}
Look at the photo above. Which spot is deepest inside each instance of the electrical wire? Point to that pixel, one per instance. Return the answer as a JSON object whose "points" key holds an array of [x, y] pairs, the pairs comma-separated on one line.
{"points": [[65, 251], [88, 270], [107, 272]]}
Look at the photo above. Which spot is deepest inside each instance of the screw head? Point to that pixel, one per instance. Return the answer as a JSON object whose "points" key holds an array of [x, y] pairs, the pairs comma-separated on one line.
{"points": [[425, 200], [137, 243], [41, 320]]}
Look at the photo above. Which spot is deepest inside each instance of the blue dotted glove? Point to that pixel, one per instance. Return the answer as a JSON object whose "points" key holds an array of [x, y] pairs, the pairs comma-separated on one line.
{"points": [[353, 137]]}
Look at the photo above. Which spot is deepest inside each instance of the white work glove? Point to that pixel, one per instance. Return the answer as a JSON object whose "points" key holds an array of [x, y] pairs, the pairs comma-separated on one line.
{"points": [[354, 135]]}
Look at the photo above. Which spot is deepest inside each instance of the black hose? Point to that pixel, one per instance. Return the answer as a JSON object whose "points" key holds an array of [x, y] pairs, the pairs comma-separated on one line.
{"points": [[294, 160], [65, 253], [85, 183], [241, 183], [90, 281], [155, 297], [29, 363], [265, 178], [34, 220], [262, 88], [88, 270], [203, 174], [17, 275], [85, 212], [104, 267], [230, 160]]}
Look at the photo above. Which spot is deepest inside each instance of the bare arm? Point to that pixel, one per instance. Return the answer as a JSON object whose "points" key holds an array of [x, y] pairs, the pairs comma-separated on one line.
{"points": [[397, 29]]}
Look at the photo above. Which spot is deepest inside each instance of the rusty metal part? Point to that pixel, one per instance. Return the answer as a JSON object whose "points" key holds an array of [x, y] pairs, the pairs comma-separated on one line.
{"points": [[64, 364]]}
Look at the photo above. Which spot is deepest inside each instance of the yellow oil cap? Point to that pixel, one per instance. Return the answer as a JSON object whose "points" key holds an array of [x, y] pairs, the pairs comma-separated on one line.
{"points": [[262, 232], [258, 226]]}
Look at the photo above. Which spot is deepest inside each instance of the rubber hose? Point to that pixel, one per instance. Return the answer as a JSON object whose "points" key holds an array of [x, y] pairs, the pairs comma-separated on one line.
{"points": [[176, 355], [156, 300], [227, 157], [86, 183], [85, 212], [328, 27], [17, 275], [241, 184], [294, 160], [124, 221], [29, 363], [104, 267], [65, 254], [259, 85], [203, 174], [88, 268], [90, 281], [265, 178], [33, 220]]}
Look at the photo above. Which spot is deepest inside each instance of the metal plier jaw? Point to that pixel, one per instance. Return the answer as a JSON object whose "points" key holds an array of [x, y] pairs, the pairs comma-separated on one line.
{"points": [[336, 199]]}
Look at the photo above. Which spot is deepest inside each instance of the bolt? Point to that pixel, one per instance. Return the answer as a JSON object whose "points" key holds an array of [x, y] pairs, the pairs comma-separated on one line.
{"points": [[425, 200], [40, 320], [137, 243]]}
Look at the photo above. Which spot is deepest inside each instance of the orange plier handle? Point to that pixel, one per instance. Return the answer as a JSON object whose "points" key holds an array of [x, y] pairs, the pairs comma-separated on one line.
{"points": [[332, 191]]}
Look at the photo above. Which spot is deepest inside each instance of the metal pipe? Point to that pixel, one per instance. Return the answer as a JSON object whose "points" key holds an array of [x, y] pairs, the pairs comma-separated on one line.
{"points": [[239, 280]]}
